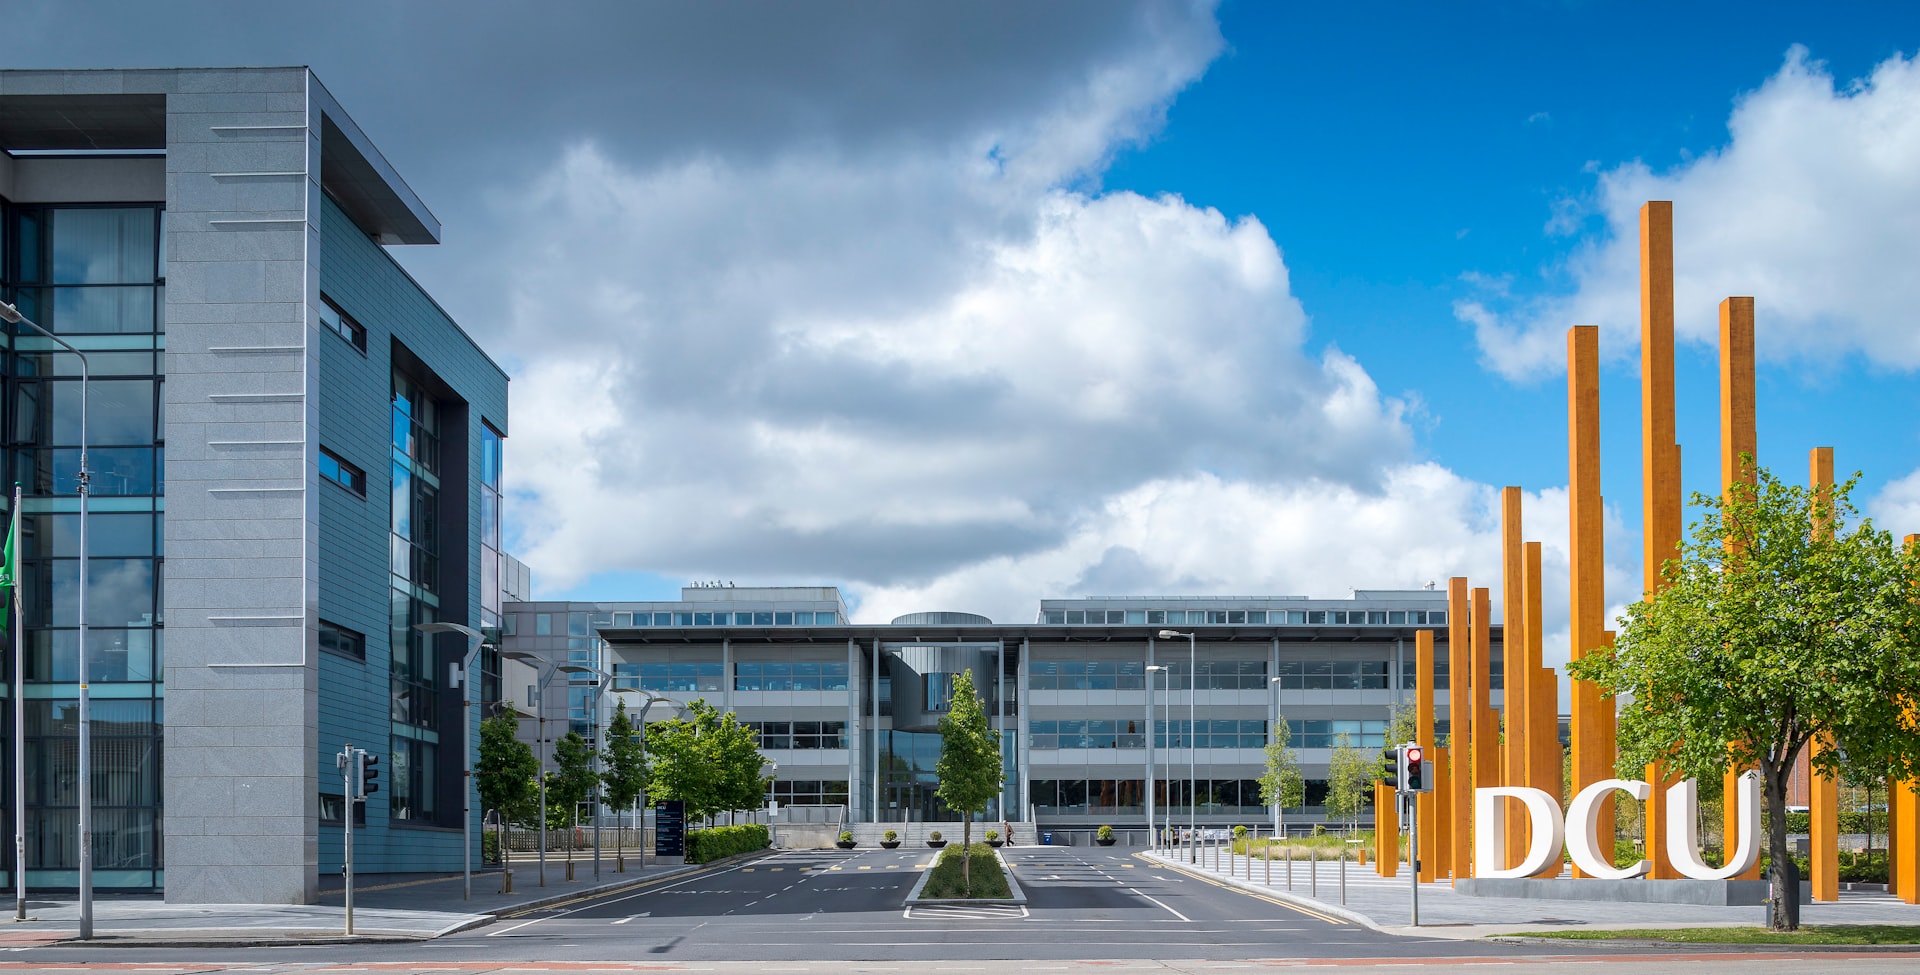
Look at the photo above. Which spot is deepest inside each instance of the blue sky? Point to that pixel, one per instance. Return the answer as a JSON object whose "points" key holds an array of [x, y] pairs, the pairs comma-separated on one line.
{"points": [[960, 306]]}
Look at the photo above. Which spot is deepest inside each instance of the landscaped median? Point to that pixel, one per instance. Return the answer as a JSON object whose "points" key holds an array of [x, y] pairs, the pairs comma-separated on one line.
{"points": [[1813, 934], [992, 883]]}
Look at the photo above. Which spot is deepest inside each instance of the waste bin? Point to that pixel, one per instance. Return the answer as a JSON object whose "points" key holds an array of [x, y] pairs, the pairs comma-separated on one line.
{"points": [[1046, 839]]}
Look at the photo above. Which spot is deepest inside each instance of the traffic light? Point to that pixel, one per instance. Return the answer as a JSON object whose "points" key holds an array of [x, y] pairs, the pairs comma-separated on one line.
{"points": [[1416, 769], [368, 774], [1391, 768]]}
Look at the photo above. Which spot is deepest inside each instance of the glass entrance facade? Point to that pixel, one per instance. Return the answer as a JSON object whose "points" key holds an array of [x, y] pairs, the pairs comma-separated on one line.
{"points": [[96, 275]]}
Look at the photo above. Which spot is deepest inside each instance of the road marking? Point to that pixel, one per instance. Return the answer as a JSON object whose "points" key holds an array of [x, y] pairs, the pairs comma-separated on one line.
{"points": [[632, 916], [776, 869], [1169, 910], [746, 869], [864, 867]]}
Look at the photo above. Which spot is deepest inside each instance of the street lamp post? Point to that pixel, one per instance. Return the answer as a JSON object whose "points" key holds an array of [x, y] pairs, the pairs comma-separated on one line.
{"points": [[1153, 833], [11, 315], [474, 642], [1273, 733], [1193, 675], [540, 713]]}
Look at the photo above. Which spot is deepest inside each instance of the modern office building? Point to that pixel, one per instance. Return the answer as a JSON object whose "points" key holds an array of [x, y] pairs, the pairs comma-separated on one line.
{"points": [[849, 712], [295, 458]]}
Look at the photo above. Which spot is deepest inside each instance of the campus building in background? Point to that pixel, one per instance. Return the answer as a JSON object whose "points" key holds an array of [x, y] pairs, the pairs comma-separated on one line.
{"points": [[296, 457], [849, 712]]}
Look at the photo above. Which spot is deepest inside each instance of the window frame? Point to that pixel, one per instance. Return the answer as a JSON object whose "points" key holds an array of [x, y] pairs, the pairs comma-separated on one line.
{"points": [[356, 484], [349, 330]]}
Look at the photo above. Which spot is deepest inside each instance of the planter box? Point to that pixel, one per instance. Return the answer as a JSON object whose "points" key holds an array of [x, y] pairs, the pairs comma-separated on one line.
{"points": [[936, 844], [1106, 842], [845, 844], [889, 844], [1019, 897], [996, 844]]}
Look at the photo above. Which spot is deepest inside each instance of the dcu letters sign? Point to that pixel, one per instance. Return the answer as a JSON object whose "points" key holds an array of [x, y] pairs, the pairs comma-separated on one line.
{"points": [[1575, 832]]}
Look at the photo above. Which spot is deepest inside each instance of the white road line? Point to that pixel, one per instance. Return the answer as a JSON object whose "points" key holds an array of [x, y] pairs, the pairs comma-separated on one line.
{"points": [[632, 916], [641, 893], [1170, 910]]}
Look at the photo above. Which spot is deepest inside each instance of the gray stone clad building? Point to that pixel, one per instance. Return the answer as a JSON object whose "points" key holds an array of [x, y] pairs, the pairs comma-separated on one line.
{"points": [[295, 456], [849, 712]]}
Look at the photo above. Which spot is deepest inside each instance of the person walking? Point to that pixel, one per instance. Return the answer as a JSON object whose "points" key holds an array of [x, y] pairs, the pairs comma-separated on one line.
{"points": [[1006, 831]]}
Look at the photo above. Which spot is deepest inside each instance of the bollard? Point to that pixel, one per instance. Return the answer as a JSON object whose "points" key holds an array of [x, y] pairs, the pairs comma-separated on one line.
{"points": [[1289, 869], [1269, 852], [1313, 872], [1343, 876], [569, 871]]}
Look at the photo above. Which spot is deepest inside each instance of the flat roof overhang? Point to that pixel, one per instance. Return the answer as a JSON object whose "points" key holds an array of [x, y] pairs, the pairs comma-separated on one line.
{"points": [[352, 170], [1013, 632]]}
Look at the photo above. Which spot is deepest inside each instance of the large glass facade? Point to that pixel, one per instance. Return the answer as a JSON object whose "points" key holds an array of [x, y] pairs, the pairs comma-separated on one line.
{"points": [[415, 571], [97, 276]]}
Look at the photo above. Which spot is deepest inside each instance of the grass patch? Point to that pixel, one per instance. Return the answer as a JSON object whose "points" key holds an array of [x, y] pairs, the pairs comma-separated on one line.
{"points": [[943, 880], [1822, 934]]}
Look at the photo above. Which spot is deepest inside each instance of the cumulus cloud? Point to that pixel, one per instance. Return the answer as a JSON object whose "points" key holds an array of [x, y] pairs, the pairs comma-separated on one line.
{"points": [[1812, 206], [1896, 508]]}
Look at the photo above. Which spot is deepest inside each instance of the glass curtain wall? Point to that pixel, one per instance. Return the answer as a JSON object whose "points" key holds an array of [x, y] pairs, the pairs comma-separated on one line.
{"points": [[95, 275], [414, 565], [491, 565]]}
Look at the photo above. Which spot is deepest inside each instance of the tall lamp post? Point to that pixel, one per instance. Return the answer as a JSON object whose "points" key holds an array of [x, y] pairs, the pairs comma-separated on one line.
{"points": [[475, 640], [11, 315], [1193, 680], [540, 713], [1273, 732], [1153, 832], [640, 728]]}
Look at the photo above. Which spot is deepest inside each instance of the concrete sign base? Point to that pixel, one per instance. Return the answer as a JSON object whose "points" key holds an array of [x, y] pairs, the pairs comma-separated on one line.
{"points": [[1716, 893]]}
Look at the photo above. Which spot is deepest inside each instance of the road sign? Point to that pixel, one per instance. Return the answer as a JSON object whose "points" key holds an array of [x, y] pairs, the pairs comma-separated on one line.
{"points": [[670, 829]]}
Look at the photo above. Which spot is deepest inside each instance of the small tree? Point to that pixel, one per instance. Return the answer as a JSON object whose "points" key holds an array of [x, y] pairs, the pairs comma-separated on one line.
{"points": [[1348, 775], [1776, 626], [969, 768], [707, 760], [572, 782], [506, 772], [624, 761], [1282, 785]]}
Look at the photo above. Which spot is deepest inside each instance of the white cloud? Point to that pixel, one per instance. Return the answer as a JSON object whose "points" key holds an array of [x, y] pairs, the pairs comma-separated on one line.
{"points": [[1812, 206], [1897, 507]]}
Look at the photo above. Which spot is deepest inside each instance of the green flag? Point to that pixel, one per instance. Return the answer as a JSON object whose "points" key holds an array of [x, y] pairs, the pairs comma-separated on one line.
{"points": [[9, 566]]}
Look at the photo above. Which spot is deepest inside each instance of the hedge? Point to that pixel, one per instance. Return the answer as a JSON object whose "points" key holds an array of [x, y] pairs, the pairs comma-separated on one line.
{"points": [[716, 842]]}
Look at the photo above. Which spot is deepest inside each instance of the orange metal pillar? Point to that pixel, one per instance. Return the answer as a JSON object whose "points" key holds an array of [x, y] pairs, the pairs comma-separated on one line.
{"points": [[1443, 863], [1824, 801], [1460, 729], [1543, 752], [1661, 517], [1386, 830], [1430, 822], [1486, 726], [1903, 832], [1593, 748], [1739, 452], [1517, 669]]}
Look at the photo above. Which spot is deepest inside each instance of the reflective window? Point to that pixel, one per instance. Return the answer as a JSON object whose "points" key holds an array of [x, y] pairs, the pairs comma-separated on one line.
{"points": [[342, 473], [342, 324]]}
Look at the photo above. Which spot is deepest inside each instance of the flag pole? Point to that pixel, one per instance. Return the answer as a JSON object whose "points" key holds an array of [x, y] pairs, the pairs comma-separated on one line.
{"points": [[19, 719]]}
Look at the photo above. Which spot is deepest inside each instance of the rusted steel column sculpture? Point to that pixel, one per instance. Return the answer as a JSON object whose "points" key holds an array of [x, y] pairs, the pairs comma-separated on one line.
{"points": [[1824, 795], [1661, 514], [1460, 714], [1432, 865], [1593, 742], [1739, 450]]}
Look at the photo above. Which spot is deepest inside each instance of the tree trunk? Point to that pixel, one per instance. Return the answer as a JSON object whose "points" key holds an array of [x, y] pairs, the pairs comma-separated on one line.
{"points": [[966, 854], [1784, 913]]}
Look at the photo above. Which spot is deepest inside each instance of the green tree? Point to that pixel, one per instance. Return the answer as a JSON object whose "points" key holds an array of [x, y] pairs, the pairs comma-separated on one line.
{"points": [[572, 781], [1778, 625], [969, 768], [1349, 773], [624, 761], [1282, 785], [707, 760], [506, 772]]}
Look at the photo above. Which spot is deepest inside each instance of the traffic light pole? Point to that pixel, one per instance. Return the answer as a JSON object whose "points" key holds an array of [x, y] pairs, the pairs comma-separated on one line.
{"points": [[1413, 853], [349, 772]]}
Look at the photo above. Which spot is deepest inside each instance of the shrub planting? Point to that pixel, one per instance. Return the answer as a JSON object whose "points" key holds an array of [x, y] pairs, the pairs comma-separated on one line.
{"points": [[717, 842]]}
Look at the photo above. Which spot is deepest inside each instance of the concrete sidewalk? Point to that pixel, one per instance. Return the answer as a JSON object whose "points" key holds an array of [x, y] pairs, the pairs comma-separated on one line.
{"points": [[395, 907], [1384, 903]]}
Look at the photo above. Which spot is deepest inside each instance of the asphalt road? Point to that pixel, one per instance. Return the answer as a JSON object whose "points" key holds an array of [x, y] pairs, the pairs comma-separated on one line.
{"points": [[1087, 906]]}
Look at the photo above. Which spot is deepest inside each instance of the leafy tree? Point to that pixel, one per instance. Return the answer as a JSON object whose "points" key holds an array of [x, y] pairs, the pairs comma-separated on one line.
{"points": [[505, 772], [1777, 625], [624, 761], [969, 768], [1349, 774], [506, 769], [573, 780], [707, 760], [1282, 785]]}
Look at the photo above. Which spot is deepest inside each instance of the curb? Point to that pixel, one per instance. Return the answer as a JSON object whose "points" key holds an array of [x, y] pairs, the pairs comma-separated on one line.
{"points": [[1307, 904], [144, 939], [1019, 896]]}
